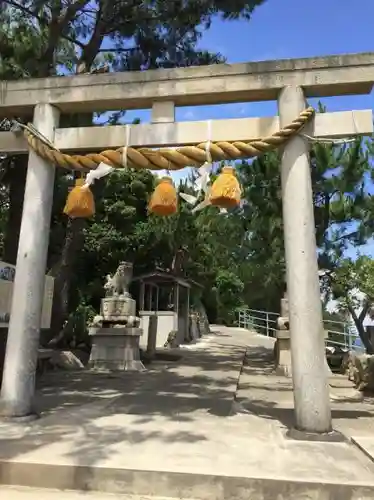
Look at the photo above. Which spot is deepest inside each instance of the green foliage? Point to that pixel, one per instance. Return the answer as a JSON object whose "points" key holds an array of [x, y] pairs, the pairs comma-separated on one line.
{"points": [[352, 285], [342, 205], [111, 236], [262, 221], [23, 42], [354, 275], [229, 289], [43, 38]]}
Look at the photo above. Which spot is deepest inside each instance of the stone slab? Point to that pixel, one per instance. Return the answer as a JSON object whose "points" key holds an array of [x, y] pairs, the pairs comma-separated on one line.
{"points": [[102, 365], [115, 331], [117, 482], [24, 493], [344, 74], [283, 334]]}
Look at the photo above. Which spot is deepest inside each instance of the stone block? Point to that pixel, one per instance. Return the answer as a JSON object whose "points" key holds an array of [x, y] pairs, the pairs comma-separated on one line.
{"points": [[284, 307], [283, 334], [115, 348], [282, 353], [117, 309], [65, 360], [283, 323], [194, 332], [152, 337], [115, 331], [163, 112], [360, 371], [203, 322]]}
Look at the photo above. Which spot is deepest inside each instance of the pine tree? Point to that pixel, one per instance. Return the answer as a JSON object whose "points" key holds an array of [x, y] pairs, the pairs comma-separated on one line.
{"points": [[135, 35], [341, 206]]}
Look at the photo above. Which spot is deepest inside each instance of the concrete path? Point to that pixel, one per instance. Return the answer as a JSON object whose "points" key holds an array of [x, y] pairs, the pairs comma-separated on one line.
{"points": [[262, 392], [190, 428]]}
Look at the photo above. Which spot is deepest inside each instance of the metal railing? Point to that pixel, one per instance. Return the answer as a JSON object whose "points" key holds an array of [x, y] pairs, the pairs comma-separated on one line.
{"points": [[340, 333], [263, 322]]}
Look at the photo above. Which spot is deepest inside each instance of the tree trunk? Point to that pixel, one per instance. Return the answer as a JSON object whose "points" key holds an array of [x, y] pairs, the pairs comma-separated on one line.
{"points": [[363, 333], [16, 177], [370, 336], [364, 336], [63, 272], [75, 236]]}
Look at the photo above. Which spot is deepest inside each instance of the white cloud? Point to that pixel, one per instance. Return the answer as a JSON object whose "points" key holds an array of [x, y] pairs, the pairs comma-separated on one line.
{"points": [[189, 115]]}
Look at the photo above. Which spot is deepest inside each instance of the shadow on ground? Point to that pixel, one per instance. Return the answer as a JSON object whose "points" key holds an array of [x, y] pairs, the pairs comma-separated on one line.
{"points": [[263, 393], [200, 382], [171, 402]]}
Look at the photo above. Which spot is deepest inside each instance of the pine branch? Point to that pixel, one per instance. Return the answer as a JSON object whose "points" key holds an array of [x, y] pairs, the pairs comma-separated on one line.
{"points": [[91, 49], [25, 10]]}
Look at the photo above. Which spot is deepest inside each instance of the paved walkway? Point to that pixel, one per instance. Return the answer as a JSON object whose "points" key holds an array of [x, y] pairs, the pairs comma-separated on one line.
{"points": [[200, 427], [262, 393]]}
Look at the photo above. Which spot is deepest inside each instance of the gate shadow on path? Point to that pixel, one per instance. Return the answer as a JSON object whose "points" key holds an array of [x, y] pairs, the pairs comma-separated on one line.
{"points": [[263, 393], [202, 382]]}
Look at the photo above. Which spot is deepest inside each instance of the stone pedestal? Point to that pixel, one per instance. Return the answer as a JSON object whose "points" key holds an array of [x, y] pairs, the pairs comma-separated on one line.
{"points": [[282, 352], [282, 349], [115, 332], [152, 337], [194, 332], [284, 307], [115, 348], [118, 309]]}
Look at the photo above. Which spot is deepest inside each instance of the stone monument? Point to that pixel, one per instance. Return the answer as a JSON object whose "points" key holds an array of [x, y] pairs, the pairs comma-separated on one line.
{"points": [[282, 347], [115, 332]]}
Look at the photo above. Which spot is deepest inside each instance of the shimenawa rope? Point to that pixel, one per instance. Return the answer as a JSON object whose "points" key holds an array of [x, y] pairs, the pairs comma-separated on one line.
{"points": [[168, 158]]}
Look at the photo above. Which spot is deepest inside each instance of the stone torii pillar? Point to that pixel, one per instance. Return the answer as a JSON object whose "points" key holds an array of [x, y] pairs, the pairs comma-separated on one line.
{"points": [[18, 386], [310, 381]]}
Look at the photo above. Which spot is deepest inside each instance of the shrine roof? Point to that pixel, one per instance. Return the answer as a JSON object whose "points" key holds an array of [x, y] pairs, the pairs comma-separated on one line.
{"points": [[159, 277]]}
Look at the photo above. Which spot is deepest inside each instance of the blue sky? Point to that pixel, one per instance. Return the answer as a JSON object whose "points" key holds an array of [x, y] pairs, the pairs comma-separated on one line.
{"points": [[282, 29]]}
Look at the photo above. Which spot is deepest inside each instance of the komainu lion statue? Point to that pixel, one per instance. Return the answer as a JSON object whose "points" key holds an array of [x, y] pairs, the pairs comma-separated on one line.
{"points": [[118, 285]]}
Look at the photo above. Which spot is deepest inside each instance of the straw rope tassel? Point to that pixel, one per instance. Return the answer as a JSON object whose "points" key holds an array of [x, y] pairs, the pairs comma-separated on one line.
{"points": [[225, 192], [164, 199], [80, 202]]}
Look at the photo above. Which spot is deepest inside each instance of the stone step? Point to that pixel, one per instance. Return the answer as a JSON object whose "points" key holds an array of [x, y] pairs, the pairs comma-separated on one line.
{"points": [[62, 482], [25, 493]]}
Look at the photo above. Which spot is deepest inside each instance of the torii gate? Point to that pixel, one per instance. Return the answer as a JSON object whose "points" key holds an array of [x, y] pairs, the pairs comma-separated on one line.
{"points": [[288, 81]]}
